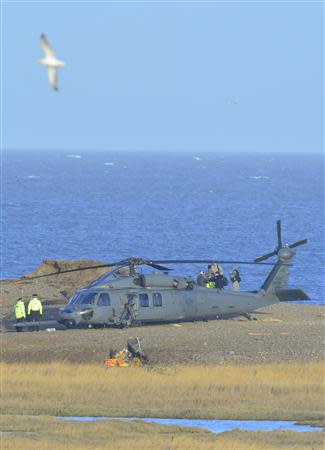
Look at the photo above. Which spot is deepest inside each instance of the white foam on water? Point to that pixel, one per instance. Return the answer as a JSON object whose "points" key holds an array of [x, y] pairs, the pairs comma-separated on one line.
{"points": [[108, 164], [74, 156]]}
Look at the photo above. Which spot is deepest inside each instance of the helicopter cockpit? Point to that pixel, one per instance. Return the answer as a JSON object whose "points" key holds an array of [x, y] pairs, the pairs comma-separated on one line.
{"points": [[83, 298]]}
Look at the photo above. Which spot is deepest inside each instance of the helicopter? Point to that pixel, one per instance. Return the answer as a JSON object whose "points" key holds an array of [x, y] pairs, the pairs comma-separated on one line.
{"points": [[122, 297]]}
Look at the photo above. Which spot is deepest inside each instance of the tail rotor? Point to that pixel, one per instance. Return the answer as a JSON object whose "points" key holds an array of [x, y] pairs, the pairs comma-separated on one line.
{"points": [[283, 252]]}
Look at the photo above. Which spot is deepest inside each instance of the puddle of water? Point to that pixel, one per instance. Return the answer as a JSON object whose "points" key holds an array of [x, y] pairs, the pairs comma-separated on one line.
{"points": [[17, 433], [216, 426]]}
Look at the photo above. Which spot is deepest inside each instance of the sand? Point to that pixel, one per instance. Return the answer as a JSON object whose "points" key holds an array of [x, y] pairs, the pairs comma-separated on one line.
{"points": [[284, 333]]}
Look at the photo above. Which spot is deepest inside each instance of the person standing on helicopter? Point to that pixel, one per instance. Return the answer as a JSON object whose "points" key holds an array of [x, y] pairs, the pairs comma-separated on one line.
{"points": [[216, 276], [235, 279], [201, 279]]}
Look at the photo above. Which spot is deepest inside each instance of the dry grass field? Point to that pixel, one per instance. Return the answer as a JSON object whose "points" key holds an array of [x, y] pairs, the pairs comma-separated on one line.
{"points": [[266, 369], [257, 392], [46, 433]]}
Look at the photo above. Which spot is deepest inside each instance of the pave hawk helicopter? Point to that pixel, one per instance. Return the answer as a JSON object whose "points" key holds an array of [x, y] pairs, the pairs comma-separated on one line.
{"points": [[122, 297]]}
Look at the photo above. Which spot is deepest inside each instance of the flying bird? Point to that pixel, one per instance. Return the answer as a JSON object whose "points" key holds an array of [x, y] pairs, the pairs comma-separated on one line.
{"points": [[51, 62]]}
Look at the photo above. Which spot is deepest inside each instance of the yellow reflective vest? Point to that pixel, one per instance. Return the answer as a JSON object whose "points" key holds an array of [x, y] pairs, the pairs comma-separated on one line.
{"points": [[35, 305], [20, 310], [211, 284]]}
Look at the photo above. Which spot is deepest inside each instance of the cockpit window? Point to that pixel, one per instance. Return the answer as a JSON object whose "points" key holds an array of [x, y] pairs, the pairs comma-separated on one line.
{"points": [[86, 298], [104, 300]]}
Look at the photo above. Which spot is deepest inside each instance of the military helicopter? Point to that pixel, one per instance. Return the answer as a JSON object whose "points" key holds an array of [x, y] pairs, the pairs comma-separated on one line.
{"points": [[123, 297]]}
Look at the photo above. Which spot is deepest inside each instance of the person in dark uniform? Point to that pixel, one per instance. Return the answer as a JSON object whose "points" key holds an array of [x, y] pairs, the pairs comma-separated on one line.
{"points": [[201, 279], [218, 276], [235, 279]]}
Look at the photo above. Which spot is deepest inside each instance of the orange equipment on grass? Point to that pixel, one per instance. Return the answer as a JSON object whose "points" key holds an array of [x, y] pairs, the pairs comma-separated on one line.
{"points": [[116, 362]]}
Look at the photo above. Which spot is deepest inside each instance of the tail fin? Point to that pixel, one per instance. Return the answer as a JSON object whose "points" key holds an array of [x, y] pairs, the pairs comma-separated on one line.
{"points": [[277, 281], [277, 278]]}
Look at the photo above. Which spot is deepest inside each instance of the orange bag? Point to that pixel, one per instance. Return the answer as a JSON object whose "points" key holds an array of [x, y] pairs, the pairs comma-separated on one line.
{"points": [[111, 362], [116, 362]]}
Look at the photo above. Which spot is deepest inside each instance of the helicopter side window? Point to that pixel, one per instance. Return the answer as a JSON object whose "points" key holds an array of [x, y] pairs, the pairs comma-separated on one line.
{"points": [[144, 300], [157, 299], [104, 300]]}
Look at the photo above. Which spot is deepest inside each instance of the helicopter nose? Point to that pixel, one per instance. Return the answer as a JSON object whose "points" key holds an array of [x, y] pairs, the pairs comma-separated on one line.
{"points": [[67, 313]]}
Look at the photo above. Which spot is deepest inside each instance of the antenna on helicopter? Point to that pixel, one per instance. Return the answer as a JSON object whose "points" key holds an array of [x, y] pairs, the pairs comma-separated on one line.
{"points": [[280, 245]]}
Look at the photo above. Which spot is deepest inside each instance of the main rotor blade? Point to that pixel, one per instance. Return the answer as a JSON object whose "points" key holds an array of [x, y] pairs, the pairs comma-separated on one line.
{"points": [[279, 233], [262, 258], [205, 261], [70, 270], [296, 244], [158, 267]]}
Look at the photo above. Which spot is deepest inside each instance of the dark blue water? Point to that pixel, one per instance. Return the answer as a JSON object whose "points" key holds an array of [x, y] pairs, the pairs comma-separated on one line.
{"points": [[109, 206]]}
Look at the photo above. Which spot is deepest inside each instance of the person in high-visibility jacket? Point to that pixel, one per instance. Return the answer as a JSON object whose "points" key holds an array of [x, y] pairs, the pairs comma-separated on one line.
{"points": [[35, 310], [20, 312]]}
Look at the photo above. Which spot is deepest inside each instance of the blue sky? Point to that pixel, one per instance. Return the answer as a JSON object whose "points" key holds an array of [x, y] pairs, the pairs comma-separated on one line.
{"points": [[190, 76]]}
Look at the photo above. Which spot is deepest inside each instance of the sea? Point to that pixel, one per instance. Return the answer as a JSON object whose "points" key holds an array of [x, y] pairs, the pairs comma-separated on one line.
{"points": [[107, 206]]}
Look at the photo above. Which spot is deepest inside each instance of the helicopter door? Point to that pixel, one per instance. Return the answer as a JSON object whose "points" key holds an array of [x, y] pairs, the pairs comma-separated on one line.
{"points": [[158, 306], [129, 306], [144, 306], [104, 308], [151, 307]]}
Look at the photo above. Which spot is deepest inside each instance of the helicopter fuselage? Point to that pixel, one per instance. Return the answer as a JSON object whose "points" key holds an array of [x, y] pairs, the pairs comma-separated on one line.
{"points": [[167, 299], [123, 297]]}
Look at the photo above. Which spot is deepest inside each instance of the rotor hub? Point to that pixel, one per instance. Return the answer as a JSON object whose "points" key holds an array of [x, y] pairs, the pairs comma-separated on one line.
{"points": [[285, 254]]}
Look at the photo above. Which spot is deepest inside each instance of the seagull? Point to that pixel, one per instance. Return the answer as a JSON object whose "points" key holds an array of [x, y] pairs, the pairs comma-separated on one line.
{"points": [[51, 62]]}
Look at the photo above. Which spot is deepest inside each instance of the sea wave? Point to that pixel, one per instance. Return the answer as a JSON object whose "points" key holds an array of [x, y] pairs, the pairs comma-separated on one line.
{"points": [[74, 156], [259, 177]]}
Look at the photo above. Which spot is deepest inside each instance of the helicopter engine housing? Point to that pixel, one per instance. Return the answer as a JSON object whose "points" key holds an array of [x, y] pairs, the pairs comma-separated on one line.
{"points": [[161, 281]]}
